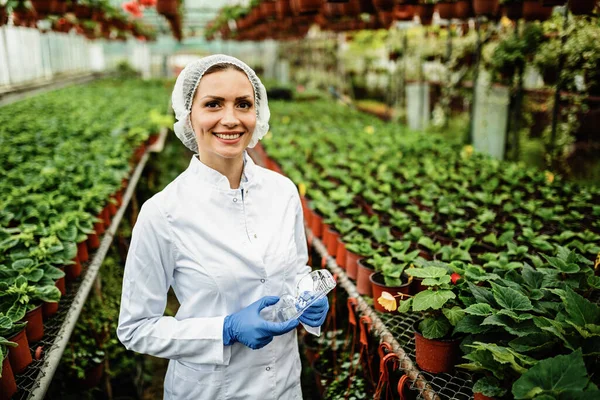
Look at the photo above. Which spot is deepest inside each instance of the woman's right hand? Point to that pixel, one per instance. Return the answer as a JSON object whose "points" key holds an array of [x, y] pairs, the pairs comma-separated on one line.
{"points": [[247, 327]]}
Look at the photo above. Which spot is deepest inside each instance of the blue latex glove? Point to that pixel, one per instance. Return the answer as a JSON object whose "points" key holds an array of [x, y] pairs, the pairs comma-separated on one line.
{"points": [[315, 314], [247, 327]]}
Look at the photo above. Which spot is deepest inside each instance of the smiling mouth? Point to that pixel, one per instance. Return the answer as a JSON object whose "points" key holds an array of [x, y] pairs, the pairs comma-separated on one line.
{"points": [[228, 136]]}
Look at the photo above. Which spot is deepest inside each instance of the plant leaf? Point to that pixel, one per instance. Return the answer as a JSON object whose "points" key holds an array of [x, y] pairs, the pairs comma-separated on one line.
{"points": [[511, 299], [434, 299], [480, 309]]}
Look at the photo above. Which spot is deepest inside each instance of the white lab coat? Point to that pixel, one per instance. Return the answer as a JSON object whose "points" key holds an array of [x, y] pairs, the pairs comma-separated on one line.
{"points": [[220, 249]]}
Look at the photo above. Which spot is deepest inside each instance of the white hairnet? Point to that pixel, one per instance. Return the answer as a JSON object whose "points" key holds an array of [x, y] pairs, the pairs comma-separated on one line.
{"points": [[185, 89]]}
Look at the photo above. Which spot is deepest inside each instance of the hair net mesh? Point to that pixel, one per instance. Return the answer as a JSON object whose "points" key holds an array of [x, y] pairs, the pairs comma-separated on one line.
{"points": [[185, 89]]}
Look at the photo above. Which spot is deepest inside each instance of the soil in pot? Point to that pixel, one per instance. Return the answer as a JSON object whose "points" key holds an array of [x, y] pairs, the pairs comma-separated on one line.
{"points": [[352, 264], [378, 286], [363, 284], [35, 324], [436, 355], [19, 356], [8, 386]]}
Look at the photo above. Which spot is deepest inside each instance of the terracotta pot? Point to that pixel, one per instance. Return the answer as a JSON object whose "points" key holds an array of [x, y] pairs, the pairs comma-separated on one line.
{"points": [[93, 375], [326, 235], [383, 5], [305, 7], [404, 12], [82, 252], [112, 208], [35, 324], [73, 271], [480, 396], [106, 217], [352, 264], [166, 7], [436, 356], [20, 356], [99, 226], [363, 284], [119, 197], [378, 286], [580, 7], [463, 9], [283, 9], [61, 284], [340, 253], [49, 309], [513, 10], [93, 242], [386, 18], [333, 242], [417, 286], [82, 11], [8, 386], [3, 15], [486, 7], [534, 10], [316, 224], [425, 13], [43, 7], [305, 210], [446, 10]]}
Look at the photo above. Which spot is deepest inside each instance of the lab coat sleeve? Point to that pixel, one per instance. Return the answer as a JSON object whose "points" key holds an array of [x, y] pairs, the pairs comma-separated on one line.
{"points": [[148, 275], [302, 255]]}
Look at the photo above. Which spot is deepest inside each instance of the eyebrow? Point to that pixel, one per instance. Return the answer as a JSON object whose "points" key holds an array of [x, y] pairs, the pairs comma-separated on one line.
{"points": [[222, 99]]}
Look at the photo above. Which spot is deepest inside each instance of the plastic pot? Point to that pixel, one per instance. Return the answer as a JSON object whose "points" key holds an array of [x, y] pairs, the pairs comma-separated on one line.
{"points": [[534, 10], [49, 309], [19, 356], [35, 324], [8, 386], [446, 10], [99, 226], [581, 7], [513, 10], [82, 252], [93, 375], [73, 271], [363, 284], [378, 286], [486, 7], [463, 9], [481, 396], [305, 7], [352, 264], [333, 242], [326, 235], [436, 355], [340, 253], [60, 283], [93, 242], [425, 13], [106, 217], [316, 224]]}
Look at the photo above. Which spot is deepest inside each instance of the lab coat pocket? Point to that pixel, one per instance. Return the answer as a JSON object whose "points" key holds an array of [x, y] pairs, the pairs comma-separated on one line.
{"points": [[198, 381]]}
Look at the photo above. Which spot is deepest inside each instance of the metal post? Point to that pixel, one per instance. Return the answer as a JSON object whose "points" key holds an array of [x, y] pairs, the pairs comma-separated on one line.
{"points": [[475, 78], [559, 83]]}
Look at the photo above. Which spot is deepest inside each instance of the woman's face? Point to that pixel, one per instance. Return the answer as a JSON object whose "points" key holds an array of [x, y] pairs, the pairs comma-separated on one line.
{"points": [[223, 115]]}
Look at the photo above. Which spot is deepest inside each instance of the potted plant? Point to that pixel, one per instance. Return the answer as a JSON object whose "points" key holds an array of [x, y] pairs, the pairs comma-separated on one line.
{"points": [[19, 355], [424, 9], [22, 301], [446, 9], [8, 386], [440, 308], [357, 247], [388, 277]]}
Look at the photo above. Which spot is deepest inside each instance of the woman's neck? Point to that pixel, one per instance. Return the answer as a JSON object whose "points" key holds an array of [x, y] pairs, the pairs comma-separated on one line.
{"points": [[231, 168]]}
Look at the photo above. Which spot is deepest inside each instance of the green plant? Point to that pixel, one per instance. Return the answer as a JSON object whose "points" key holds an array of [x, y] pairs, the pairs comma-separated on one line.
{"points": [[18, 296]]}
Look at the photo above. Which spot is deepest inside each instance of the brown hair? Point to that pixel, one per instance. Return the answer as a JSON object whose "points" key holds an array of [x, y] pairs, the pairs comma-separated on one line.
{"points": [[222, 67]]}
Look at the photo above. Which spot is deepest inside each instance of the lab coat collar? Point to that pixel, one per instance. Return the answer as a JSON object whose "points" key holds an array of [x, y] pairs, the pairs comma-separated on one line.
{"points": [[213, 177]]}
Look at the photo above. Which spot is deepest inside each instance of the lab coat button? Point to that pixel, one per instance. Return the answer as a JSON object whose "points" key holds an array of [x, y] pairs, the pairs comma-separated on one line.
{"points": [[268, 368], [262, 281], [255, 237], [234, 200]]}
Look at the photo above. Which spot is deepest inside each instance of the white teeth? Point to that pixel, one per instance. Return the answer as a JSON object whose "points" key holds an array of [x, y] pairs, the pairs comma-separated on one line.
{"points": [[229, 137]]}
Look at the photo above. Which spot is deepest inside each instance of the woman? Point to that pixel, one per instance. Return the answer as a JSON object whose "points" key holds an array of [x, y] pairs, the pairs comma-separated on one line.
{"points": [[228, 236]]}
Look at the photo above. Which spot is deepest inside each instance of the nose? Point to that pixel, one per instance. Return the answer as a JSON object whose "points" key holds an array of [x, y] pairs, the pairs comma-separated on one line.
{"points": [[229, 118]]}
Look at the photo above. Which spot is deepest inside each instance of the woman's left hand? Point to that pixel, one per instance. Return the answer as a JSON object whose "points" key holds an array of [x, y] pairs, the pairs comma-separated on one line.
{"points": [[315, 314]]}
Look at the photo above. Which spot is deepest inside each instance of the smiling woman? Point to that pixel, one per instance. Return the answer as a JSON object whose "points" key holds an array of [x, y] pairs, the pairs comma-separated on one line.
{"points": [[223, 117], [228, 236]]}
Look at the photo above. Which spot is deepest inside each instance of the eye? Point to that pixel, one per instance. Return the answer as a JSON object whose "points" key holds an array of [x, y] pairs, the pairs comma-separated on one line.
{"points": [[212, 104], [245, 105]]}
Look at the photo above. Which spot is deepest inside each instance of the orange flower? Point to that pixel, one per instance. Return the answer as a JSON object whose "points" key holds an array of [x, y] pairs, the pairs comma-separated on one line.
{"points": [[133, 8]]}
